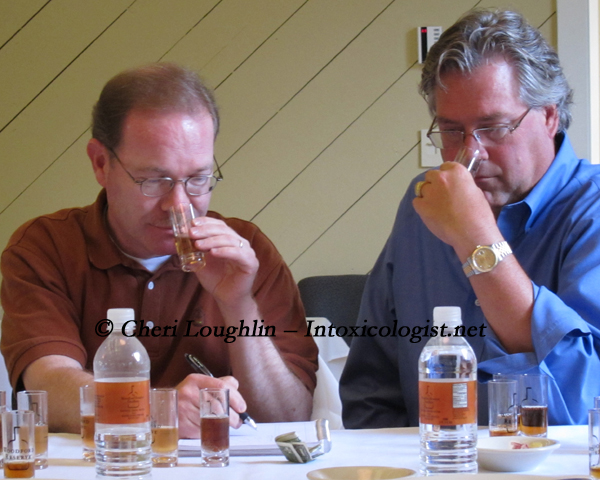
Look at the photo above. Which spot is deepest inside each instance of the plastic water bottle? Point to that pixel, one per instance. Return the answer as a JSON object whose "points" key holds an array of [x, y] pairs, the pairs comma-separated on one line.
{"points": [[122, 381], [448, 398]]}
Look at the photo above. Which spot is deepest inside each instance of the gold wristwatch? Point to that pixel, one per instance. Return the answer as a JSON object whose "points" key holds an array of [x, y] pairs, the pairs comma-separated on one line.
{"points": [[485, 258]]}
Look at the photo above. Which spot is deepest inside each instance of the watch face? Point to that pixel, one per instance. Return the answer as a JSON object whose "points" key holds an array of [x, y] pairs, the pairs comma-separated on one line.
{"points": [[484, 259]]}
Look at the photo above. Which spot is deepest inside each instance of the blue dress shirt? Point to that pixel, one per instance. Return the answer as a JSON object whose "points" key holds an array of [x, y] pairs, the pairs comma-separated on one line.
{"points": [[554, 234]]}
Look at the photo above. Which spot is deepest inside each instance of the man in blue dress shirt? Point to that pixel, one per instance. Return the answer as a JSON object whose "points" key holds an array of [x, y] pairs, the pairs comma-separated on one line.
{"points": [[515, 245]]}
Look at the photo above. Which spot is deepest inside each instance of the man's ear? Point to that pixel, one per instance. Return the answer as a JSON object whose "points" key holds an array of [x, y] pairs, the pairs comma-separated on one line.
{"points": [[100, 157], [552, 120]]}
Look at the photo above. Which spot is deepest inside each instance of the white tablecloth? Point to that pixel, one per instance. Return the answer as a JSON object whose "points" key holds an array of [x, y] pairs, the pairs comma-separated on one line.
{"points": [[385, 447]]}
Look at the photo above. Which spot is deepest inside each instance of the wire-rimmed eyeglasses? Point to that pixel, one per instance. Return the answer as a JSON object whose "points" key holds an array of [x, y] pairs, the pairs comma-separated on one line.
{"points": [[157, 187], [486, 136]]}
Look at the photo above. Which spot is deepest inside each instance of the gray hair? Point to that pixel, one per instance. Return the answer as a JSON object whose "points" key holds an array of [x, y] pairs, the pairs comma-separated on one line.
{"points": [[159, 86], [483, 34]]}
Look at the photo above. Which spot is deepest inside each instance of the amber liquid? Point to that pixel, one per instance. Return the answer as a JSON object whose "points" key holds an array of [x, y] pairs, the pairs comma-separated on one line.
{"points": [[41, 440], [533, 420], [214, 434], [502, 432], [88, 428], [595, 471], [506, 425], [164, 439], [18, 470], [190, 258]]}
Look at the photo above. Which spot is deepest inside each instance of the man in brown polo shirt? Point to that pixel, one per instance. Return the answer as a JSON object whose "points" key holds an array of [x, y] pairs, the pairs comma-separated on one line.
{"points": [[154, 129]]}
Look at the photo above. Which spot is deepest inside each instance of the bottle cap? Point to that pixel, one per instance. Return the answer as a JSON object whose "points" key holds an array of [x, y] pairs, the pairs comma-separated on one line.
{"points": [[119, 316], [451, 316]]}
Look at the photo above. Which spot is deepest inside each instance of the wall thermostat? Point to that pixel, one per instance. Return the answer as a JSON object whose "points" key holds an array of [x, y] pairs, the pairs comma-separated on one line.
{"points": [[427, 37]]}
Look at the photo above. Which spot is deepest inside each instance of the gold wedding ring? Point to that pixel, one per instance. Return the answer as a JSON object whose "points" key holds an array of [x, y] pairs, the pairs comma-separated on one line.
{"points": [[418, 187]]}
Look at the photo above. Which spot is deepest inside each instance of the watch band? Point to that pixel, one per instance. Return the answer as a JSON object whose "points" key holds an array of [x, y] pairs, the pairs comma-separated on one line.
{"points": [[500, 249]]}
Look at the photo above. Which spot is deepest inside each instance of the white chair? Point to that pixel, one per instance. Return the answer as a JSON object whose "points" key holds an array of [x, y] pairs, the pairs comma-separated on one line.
{"points": [[333, 352]]}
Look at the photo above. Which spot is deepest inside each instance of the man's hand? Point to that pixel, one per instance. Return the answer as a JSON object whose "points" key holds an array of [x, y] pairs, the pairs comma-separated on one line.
{"points": [[189, 402], [231, 263], [455, 210]]}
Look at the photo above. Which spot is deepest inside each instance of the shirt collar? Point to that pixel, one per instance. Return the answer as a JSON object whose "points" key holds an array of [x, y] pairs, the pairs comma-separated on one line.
{"points": [[557, 176], [519, 217], [103, 253]]}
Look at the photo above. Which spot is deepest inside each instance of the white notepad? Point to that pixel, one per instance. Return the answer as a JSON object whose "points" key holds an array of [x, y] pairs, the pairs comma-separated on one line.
{"points": [[245, 441]]}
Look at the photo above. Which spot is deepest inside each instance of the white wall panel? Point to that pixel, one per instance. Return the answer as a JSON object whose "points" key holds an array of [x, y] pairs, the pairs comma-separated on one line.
{"points": [[48, 44], [16, 14], [230, 35], [286, 63], [353, 243]]}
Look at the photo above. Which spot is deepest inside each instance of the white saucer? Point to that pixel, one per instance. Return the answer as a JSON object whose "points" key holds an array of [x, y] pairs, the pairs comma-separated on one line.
{"points": [[359, 473]]}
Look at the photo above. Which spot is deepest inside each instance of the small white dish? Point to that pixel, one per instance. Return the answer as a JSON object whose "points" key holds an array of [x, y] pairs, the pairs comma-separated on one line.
{"points": [[499, 455], [359, 473]]}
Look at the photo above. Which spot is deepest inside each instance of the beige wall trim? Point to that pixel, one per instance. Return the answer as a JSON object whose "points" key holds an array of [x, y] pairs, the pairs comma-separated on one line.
{"points": [[578, 46]]}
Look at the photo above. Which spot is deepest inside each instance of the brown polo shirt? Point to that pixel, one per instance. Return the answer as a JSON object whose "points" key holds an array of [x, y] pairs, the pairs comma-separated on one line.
{"points": [[61, 272]]}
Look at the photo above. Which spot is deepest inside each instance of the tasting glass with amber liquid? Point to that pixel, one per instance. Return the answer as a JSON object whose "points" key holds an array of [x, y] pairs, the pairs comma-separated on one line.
{"points": [[3, 409], [182, 216], [214, 426], [18, 443], [37, 402], [533, 409], [502, 403], [165, 427], [87, 412]]}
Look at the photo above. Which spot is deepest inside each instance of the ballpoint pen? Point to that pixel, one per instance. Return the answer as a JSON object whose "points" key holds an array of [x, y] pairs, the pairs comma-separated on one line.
{"points": [[201, 368]]}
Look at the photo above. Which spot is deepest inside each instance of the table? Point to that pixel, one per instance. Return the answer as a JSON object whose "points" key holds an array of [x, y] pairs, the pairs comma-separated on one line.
{"points": [[394, 447]]}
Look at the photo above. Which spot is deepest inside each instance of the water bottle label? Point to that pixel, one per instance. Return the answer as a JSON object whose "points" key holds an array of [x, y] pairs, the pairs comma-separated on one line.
{"points": [[122, 402], [447, 402], [459, 395]]}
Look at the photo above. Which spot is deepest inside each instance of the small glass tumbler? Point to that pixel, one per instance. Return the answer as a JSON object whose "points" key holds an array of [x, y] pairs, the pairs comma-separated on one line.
{"points": [[596, 402], [502, 402], [214, 426], [87, 411], [594, 441], [533, 408], [3, 409], [18, 433], [37, 402], [470, 158], [165, 426], [181, 219]]}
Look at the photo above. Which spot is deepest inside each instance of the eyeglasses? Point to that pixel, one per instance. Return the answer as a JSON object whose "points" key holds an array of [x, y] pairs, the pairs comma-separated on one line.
{"points": [[157, 187], [487, 136]]}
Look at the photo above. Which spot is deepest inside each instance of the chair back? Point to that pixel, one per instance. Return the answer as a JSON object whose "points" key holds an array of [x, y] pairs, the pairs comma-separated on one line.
{"points": [[335, 297]]}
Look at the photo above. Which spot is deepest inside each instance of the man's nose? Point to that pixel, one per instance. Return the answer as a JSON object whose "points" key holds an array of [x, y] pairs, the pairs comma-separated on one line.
{"points": [[176, 196], [471, 140]]}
